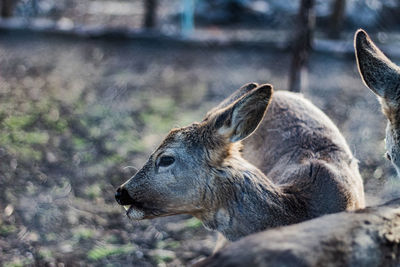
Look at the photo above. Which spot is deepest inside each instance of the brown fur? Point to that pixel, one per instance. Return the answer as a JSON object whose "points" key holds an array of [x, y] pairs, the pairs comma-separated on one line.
{"points": [[295, 165]]}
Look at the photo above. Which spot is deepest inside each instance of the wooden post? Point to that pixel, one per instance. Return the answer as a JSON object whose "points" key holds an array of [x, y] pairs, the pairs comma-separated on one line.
{"points": [[7, 8], [302, 44], [337, 17], [150, 16]]}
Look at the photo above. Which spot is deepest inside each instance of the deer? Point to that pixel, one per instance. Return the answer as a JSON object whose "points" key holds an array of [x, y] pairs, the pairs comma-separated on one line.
{"points": [[382, 76], [254, 162]]}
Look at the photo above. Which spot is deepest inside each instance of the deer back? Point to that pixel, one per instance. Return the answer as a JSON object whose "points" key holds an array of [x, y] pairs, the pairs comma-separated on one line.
{"points": [[298, 146]]}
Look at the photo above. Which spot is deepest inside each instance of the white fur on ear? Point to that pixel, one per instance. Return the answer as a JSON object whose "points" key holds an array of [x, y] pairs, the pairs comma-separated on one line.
{"points": [[240, 119]]}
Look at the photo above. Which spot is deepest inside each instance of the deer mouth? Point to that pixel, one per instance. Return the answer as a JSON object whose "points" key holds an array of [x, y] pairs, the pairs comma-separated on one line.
{"points": [[134, 213], [139, 211]]}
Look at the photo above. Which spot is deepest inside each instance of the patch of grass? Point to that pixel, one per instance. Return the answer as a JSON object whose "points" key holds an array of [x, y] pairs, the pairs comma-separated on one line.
{"points": [[95, 131], [112, 239], [193, 223], [80, 143], [45, 254], [32, 138], [168, 244], [19, 122], [137, 146], [159, 116], [5, 139], [161, 244], [6, 230], [59, 126], [93, 191], [83, 234], [51, 237], [190, 116], [165, 105], [19, 263], [102, 252], [173, 245], [28, 153], [24, 144], [26, 135], [22, 137], [128, 141], [162, 256], [86, 156], [156, 121], [104, 164]]}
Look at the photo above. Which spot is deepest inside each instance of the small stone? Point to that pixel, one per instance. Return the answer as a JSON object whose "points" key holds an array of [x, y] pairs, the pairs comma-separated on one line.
{"points": [[9, 210], [139, 254]]}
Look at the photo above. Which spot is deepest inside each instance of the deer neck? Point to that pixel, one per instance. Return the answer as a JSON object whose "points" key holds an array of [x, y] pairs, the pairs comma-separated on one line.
{"points": [[249, 202]]}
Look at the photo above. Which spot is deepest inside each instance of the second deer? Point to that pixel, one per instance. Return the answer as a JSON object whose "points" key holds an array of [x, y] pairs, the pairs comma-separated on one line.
{"points": [[382, 76], [241, 172]]}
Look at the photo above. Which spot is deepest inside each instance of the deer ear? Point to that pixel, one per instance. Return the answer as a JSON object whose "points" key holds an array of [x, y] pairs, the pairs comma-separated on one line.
{"points": [[380, 74], [232, 98], [237, 94], [241, 118]]}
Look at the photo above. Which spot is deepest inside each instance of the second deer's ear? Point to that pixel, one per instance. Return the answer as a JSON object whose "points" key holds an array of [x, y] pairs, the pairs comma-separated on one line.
{"points": [[380, 74], [242, 117]]}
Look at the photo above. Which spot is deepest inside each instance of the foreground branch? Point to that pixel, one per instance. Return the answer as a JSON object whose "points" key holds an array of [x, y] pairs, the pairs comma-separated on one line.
{"points": [[368, 237]]}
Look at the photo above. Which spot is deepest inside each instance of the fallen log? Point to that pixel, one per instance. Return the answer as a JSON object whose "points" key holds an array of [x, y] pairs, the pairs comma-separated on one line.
{"points": [[368, 237]]}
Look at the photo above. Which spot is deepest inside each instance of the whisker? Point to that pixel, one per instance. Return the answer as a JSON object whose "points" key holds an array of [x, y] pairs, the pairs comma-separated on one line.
{"points": [[130, 167]]}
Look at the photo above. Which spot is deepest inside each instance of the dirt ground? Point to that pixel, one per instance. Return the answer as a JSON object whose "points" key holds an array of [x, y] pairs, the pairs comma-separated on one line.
{"points": [[74, 113]]}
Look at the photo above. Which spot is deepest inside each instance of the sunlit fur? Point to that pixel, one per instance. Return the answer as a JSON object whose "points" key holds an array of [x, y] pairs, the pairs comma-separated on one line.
{"points": [[383, 77], [241, 172]]}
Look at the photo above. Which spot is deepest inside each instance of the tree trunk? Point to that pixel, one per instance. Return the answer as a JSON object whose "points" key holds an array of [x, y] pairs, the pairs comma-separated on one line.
{"points": [[7, 8], [150, 13], [337, 17], [368, 237], [302, 44]]}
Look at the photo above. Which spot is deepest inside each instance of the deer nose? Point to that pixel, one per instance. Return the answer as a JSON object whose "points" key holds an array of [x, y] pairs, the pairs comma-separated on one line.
{"points": [[122, 197]]}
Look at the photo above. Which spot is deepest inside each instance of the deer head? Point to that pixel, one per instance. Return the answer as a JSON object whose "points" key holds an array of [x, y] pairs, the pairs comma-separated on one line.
{"points": [[187, 173], [382, 76]]}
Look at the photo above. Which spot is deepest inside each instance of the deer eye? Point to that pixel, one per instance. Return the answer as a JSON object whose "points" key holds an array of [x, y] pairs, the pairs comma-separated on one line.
{"points": [[388, 156], [166, 161]]}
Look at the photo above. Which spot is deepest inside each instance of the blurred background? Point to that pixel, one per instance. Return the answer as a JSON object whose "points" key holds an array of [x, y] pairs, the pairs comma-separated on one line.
{"points": [[89, 88]]}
